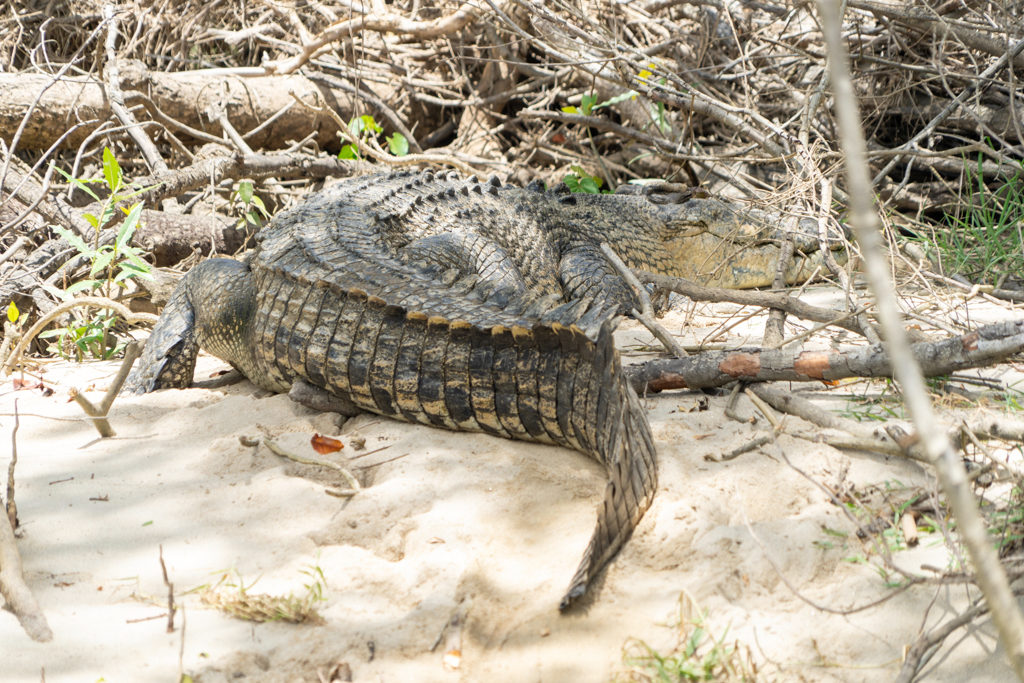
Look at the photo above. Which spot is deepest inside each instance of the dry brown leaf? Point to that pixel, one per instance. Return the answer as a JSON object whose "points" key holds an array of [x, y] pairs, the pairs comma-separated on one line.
{"points": [[325, 444]]}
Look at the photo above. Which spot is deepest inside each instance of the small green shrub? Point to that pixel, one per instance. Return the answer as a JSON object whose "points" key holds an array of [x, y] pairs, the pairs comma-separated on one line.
{"points": [[111, 265]]}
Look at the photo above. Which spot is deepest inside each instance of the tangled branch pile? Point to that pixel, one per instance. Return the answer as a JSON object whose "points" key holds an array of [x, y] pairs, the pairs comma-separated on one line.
{"points": [[731, 96]]}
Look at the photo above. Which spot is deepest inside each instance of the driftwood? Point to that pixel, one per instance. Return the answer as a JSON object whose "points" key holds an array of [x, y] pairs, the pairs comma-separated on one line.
{"points": [[987, 345]]}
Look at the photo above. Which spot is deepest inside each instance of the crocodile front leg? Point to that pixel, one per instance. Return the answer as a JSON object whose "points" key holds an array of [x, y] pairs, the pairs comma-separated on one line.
{"points": [[585, 273]]}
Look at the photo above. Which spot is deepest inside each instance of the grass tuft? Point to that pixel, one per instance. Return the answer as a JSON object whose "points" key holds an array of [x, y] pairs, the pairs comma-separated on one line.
{"points": [[698, 655]]}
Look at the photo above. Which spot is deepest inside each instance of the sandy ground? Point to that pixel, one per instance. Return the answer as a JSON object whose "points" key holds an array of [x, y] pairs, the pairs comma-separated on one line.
{"points": [[463, 525]]}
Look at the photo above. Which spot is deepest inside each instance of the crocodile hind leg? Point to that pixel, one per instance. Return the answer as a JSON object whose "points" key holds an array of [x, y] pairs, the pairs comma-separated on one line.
{"points": [[209, 308]]}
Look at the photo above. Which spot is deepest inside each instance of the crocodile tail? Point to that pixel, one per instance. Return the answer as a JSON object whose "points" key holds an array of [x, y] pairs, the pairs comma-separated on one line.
{"points": [[623, 442]]}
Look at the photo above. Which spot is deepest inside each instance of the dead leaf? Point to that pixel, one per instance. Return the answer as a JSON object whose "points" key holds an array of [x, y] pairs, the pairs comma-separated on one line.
{"points": [[325, 444]]}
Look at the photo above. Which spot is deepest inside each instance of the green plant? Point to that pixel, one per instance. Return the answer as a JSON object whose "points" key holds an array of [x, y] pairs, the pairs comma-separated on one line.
{"points": [[884, 406], [581, 181], [365, 129], [13, 313], [658, 111], [111, 265], [698, 655], [86, 337], [588, 103], [983, 239], [250, 205]]}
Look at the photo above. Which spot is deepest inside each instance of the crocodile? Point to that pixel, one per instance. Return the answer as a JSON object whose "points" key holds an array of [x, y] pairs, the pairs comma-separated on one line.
{"points": [[460, 304]]}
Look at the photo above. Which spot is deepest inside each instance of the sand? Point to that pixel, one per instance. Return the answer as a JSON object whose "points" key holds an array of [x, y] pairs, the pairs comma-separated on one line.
{"points": [[460, 527]]}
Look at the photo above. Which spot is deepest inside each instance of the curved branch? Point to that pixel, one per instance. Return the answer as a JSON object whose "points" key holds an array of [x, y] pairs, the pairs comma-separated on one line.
{"points": [[98, 301]]}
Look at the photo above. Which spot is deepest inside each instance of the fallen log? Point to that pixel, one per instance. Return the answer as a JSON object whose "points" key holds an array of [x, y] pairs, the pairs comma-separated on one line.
{"points": [[260, 107]]}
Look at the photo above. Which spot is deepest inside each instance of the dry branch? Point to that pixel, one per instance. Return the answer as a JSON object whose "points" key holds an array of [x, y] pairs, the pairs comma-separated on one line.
{"points": [[780, 301], [115, 96], [985, 346], [12, 581], [925, 19], [385, 22]]}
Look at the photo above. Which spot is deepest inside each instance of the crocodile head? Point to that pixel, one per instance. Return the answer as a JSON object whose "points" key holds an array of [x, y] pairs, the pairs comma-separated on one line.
{"points": [[723, 244]]}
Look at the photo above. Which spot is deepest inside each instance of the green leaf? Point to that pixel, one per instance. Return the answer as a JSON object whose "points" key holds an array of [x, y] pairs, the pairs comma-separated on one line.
{"points": [[582, 181], [363, 124], [348, 152], [56, 293], [108, 213], [135, 259], [74, 240], [245, 191], [124, 234], [370, 124], [12, 312], [93, 221], [258, 203], [629, 94], [101, 262], [587, 104], [83, 285], [81, 185], [398, 145], [135, 193], [135, 270], [111, 170], [126, 272]]}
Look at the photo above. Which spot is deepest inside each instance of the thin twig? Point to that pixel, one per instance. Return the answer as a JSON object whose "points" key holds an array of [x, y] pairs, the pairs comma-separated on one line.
{"points": [[171, 608], [349, 478], [948, 466]]}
